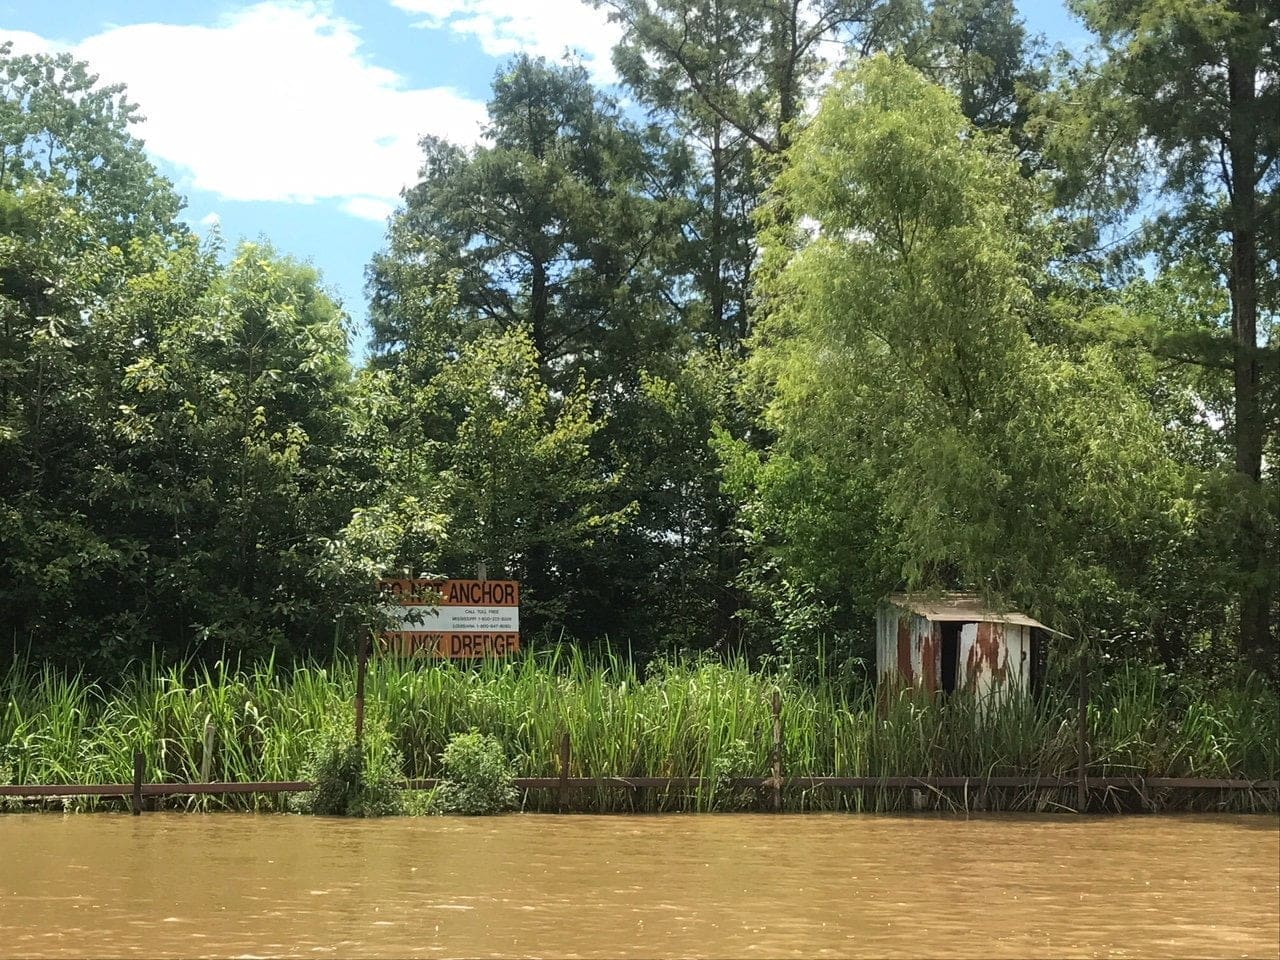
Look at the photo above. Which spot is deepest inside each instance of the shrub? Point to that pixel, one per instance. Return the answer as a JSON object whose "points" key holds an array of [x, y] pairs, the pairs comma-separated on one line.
{"points": [[7, 776], [736, 759], [350, 782], [420, 803], [478, 778]]}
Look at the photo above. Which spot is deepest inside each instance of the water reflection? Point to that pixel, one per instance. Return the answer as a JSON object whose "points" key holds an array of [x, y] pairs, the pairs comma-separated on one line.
{"points": [[695, 886]]}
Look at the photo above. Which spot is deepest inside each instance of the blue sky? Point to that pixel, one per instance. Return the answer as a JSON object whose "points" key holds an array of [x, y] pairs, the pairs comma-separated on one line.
{"points": [[298, 120]]}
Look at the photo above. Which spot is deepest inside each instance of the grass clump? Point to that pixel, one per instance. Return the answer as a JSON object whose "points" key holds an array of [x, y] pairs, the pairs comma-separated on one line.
{"points": [[351, 780], [478, 778]]}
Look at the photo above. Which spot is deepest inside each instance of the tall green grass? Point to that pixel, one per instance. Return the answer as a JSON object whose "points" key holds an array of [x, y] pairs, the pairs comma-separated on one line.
{"points": [[688, 719]]}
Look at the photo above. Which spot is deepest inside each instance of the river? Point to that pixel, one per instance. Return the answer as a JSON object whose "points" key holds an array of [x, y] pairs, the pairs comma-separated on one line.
{"points": [[187, 885]]}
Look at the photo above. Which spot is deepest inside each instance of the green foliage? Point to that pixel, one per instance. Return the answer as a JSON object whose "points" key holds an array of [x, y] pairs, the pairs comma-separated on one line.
{"points": [[478, 779], [717, 377], [173, 432], [8, 804], [924, 417], [735, 759], [1168, 125], [522, 480], [980, 51], [420, 803], [351, 780], [544, 227], [83, 218], [486, 464], [685, 718], [546, 398], [61, 128]]}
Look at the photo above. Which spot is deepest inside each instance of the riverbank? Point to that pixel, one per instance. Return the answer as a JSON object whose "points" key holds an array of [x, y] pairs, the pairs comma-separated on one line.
{"points": [[706, 720]]}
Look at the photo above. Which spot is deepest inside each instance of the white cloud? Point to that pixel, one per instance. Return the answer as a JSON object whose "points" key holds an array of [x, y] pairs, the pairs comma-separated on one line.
{"points": [[277, 102], [211, 220], [538, 27], [369, 208], [26, 42]]}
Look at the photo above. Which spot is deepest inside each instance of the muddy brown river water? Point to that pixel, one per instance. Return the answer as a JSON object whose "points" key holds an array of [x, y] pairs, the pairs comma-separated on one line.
{"points": [[694, 886]]}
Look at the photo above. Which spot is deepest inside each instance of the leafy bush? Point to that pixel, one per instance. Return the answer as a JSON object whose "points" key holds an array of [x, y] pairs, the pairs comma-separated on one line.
{"points": [[735, 759], [350, 782], [7, 776], [478, 779], [420, 803]]}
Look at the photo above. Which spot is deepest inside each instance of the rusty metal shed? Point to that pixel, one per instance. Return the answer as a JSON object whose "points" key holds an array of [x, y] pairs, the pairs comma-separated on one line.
{"points": [[955, 642]]}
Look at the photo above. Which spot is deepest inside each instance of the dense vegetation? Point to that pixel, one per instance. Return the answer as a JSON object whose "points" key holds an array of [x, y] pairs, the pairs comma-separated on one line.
{"points": [[713, 371], [705, 718]]}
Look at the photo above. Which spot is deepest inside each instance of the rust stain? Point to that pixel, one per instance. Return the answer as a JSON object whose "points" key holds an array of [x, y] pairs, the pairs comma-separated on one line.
{"points": [[930, 650], [993, 646], [984, 655], [904, 651]]}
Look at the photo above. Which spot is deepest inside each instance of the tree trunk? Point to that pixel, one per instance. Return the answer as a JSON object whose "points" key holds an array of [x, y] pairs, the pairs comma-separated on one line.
{"points": [[1255, 641], [723, 333], [538, 319], [788, 74]]}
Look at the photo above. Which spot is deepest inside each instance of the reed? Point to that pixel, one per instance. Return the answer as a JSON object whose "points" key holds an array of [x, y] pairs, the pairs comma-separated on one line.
{"points": [[694, 718]]}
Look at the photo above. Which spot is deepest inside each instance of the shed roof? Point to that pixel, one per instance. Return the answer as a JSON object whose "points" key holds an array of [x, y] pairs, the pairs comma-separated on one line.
{"points": [[964, 607]]}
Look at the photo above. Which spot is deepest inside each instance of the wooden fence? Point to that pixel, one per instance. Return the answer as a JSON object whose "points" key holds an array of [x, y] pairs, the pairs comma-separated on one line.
{"points": [[564, 785]]}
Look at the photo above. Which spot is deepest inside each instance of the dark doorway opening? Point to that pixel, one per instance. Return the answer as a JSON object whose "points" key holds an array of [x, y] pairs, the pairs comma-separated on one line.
{"points": [[950, 654], [1039, 659]]}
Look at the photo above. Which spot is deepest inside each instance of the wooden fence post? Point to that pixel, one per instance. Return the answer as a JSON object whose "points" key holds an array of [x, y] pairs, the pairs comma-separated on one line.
{"points": [[1082, 739], [565, 749], [139, 765], [362, 664], [777, 751]]}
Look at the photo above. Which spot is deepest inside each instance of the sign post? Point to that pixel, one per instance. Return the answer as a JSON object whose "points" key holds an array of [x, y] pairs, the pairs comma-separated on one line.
{"points": [[362, 667], [451, 619]]}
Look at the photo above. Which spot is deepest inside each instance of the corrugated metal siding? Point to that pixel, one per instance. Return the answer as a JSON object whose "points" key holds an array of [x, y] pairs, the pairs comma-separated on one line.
{"points": [[908, 648], [994, 659], [886, 639]]}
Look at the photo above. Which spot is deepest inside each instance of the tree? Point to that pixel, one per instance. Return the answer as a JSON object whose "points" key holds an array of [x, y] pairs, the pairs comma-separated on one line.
{"points": [[83, 216], [485, 465], [911, 408], [569, 227], [61, 128], [558, 227], [248, 399], [750, 63], [523, 491], [688, 83], [1185, 96], [980, 51], [734, 76]]}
